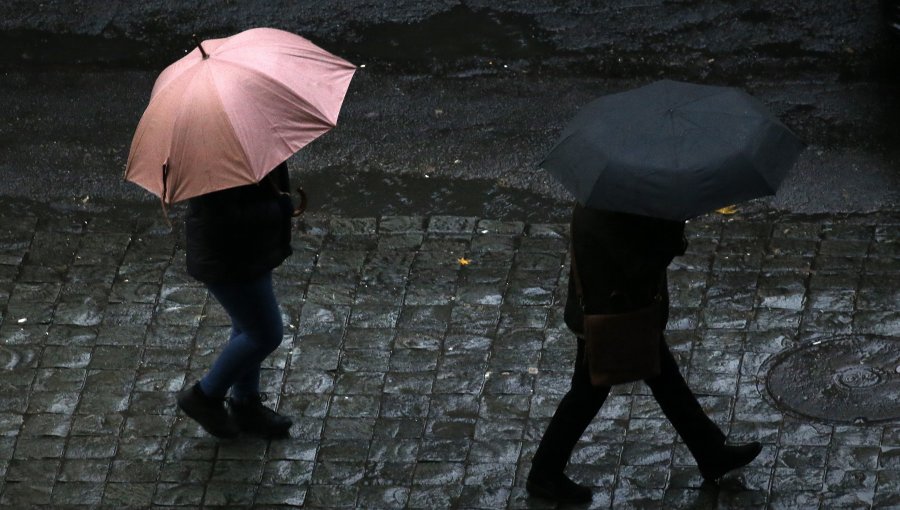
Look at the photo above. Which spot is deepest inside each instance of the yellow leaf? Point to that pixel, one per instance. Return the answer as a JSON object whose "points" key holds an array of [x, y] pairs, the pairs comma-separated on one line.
{"points": [[727, 210], [464, 261]]}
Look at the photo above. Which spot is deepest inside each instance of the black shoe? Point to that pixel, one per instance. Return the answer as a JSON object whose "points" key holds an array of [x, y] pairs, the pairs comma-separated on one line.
{"points": [[558, 488], [209, 412], [252, 416], [728, 457]]}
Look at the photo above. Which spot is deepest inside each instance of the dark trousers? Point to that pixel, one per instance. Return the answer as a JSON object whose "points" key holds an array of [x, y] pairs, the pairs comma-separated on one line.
{"points": [[582, 402], [256, 331]]}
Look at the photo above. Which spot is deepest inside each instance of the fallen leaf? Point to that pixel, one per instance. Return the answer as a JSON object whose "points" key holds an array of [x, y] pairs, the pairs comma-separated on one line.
{"points": [[464, 261], [727, 210]]}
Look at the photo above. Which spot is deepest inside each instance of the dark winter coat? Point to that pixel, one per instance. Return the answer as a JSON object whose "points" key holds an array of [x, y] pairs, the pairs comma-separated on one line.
{"points": [[622, 260], [240, 233]]}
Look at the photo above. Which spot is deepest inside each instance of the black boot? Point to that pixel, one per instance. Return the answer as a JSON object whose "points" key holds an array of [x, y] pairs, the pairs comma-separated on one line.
{"points": [[252, 416], [727, 458], [558, 487], [209, 412]]}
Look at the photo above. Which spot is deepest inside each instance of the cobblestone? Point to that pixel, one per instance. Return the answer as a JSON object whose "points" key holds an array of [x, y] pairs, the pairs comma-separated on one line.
{"points": [[423, 357]]}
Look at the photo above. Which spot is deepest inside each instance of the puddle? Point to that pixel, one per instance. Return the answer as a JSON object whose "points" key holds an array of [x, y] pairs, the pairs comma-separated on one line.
{"points": [[353, 194], [21, 48], [452, 36], [458, 38]]}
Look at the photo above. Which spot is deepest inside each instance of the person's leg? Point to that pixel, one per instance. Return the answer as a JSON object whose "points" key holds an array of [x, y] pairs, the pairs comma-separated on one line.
{"points": [[575, 412], [246, 387], [257, 330], [681, 407], [700, 434]]}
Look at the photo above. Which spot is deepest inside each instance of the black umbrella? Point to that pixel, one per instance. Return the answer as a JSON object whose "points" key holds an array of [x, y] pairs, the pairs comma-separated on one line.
{"points": [[672, 150]]}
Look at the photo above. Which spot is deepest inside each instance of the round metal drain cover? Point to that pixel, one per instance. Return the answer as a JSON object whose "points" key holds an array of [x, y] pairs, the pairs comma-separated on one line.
{"points": [[847, 380]]}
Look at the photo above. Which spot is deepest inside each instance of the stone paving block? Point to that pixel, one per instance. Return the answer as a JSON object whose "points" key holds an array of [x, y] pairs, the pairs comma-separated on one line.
{"points": [[451, 224], [342, 450], [281, 495], [389, 474], [24, 494], [77, 493], [401, 224], [141, 272], [70, 335], [522, 317], [417, 382], [13, 250], [331, 496], [32, 470], [383, 497], [175, 494], [887, 492]]}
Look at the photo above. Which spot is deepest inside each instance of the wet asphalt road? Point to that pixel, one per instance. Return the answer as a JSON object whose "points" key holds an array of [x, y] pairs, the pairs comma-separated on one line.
{"points": [[439, 123], [416, 143]]}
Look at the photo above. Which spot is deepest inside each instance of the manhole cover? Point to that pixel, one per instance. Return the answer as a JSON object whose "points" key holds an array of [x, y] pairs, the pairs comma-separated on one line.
{"points": [[848, 380]]}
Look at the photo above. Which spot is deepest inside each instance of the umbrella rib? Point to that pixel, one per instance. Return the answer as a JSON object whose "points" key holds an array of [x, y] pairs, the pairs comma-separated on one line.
{"points": [[697, 99], [730, 114], [271, 126], [262, 113], [749, 161], [182, 107], [308, 107], [136, 143], [215, 82], [311, 55]]}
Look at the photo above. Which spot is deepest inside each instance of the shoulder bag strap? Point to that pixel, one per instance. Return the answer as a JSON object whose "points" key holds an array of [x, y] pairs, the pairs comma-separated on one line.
{"points": [[579, 289]]}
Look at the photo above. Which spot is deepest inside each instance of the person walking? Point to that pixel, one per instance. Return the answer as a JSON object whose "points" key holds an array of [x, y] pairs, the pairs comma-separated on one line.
{"points": [[234, 239], [621, 262], [228, 113]]}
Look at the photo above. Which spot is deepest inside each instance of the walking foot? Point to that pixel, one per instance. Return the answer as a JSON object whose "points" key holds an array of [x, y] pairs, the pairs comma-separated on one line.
{"points": [[209, 412], [559, 488], [728, 458], [253, 417]]}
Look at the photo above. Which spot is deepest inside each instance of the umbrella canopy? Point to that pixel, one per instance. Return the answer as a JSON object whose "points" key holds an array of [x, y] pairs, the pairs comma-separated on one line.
{"points": [[233, 109], [672, 150]]}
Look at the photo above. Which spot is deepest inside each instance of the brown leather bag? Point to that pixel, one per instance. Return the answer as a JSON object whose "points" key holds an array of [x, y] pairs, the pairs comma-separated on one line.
{"points": [[621, 347]]}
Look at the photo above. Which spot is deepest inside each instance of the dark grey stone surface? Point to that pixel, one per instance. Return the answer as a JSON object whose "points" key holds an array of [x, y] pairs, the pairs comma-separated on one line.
{"points": [[416, 381]]}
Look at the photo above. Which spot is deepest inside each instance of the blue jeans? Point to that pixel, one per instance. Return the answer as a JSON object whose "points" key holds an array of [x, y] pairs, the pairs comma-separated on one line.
{"points": [[256, 331]]}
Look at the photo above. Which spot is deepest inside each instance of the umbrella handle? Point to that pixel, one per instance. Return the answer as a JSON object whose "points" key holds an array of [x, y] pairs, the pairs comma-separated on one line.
{"points": [[303, 201]]}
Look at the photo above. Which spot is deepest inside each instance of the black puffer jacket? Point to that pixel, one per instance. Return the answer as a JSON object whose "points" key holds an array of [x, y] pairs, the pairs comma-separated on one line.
{"points": [[240, 233], [623, 254]]}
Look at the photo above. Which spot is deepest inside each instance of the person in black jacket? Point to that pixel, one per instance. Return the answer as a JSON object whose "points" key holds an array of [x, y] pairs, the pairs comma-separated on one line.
{"points": [[234, 239], [622, 260]]}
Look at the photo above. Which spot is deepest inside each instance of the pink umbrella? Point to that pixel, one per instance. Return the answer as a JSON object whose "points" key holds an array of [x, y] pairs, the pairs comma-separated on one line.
{"points": [[231, 110]]}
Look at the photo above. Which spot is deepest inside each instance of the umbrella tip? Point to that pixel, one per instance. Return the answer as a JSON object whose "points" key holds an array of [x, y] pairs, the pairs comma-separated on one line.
{"points": [[199, 45]]}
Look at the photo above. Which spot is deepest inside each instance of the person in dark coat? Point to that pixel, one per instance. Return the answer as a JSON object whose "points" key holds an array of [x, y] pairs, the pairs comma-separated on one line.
{"points": [[234, 239], [621, 260]]}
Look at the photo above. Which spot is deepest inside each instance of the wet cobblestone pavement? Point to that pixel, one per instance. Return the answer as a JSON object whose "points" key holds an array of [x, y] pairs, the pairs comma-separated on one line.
{"points": [[417, 381]]}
